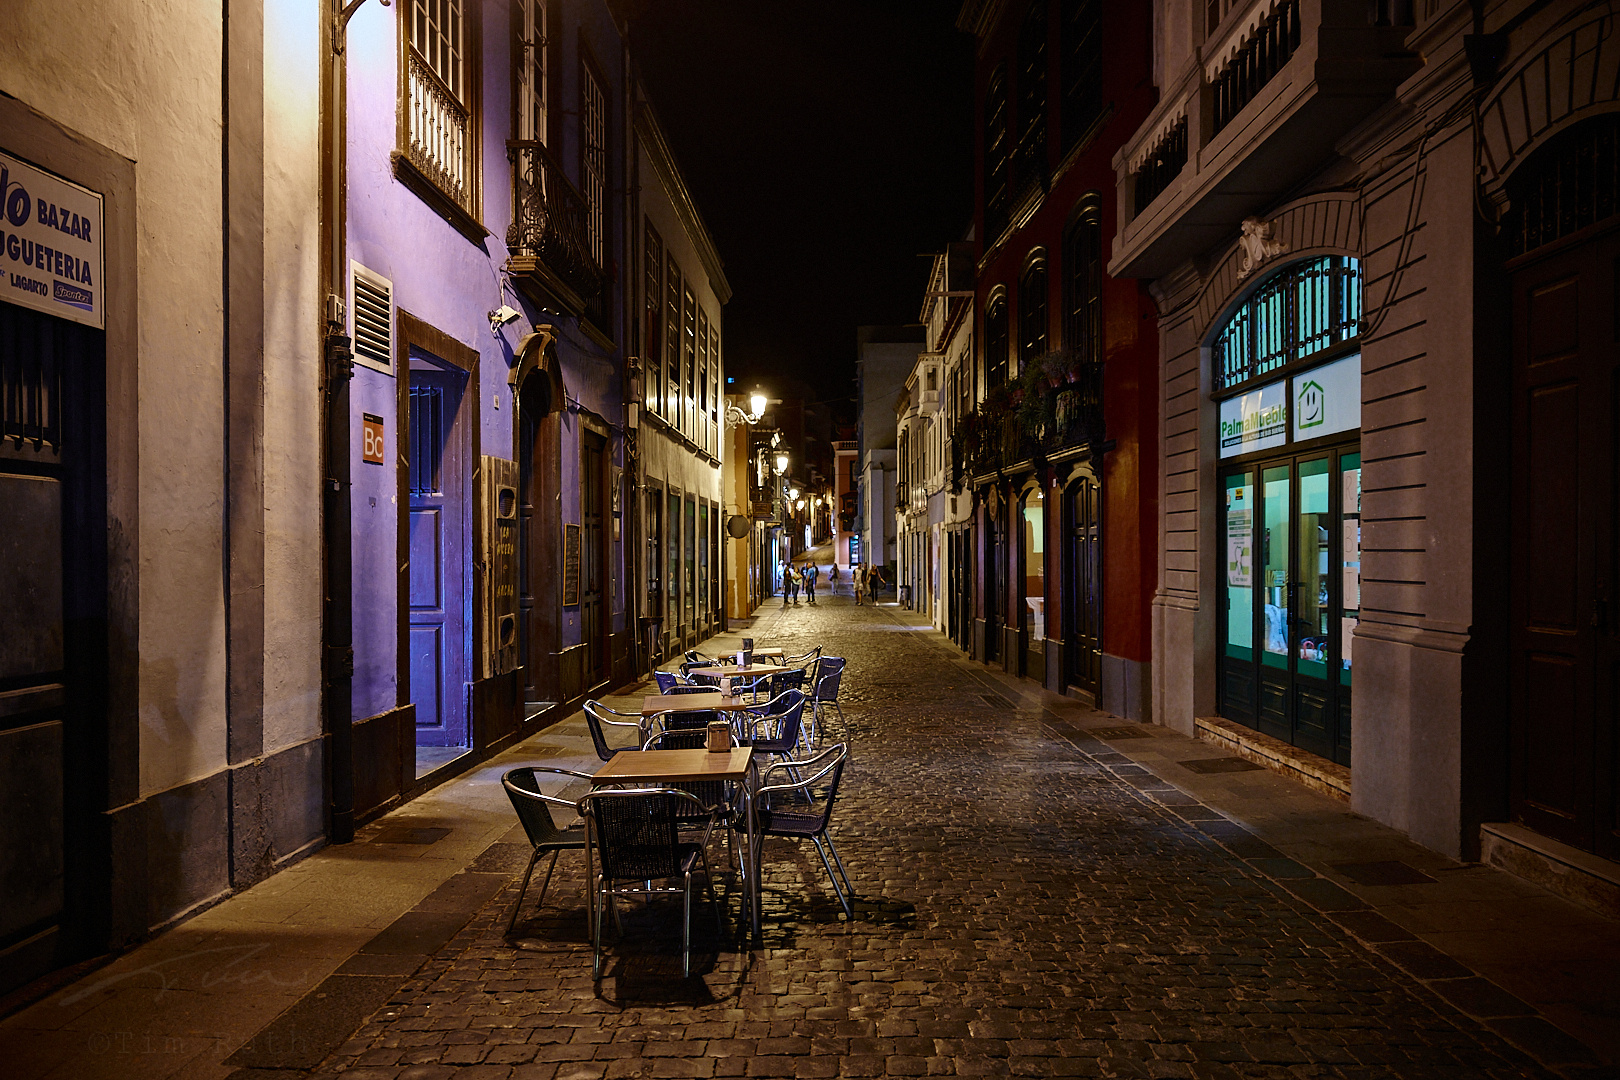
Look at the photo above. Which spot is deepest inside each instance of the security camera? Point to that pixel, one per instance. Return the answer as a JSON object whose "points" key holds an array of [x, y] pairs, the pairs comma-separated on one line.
{"points": [[501, 316]]}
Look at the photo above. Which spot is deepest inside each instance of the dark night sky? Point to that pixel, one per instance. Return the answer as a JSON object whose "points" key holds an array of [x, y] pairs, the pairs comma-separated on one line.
{"points": [[827, 145]]}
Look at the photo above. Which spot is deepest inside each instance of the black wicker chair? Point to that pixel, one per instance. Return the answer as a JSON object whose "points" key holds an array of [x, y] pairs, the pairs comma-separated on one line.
{"points": [[780, 815], [637, 837], [533, 808]]}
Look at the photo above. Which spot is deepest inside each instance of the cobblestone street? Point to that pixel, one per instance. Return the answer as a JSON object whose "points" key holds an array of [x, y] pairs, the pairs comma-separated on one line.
{"points": [[1031, 903]]}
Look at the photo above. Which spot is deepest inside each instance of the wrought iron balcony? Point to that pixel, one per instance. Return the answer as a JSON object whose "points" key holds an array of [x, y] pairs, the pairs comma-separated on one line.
{"points": [[549, 236], [1055, 414]]}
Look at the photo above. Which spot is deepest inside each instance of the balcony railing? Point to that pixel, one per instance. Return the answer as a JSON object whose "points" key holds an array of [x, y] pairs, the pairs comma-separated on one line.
{"points": [[1162, 166], [1259, 56], [1031, 423], [438, 126], [550, 222]]}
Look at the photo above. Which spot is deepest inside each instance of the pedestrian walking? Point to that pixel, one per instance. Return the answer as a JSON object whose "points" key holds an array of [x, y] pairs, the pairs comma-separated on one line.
{"points": [[793, 581], [832, 579], [874, 584], [810, 575], [857, 578]]}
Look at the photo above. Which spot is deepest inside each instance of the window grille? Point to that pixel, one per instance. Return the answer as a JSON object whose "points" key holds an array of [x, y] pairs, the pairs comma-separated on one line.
{"points": [[593, 129], [1572, 182], [438, 133], [1296, 313], [427, 439]]}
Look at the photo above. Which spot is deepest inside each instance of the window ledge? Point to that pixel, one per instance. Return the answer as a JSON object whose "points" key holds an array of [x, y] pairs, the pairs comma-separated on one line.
{"points": [[426, 190]]}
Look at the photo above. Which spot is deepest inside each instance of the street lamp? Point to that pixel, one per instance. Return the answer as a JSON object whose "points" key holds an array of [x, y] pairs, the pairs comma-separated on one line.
{"points": [[781, 461], [756, 401]]}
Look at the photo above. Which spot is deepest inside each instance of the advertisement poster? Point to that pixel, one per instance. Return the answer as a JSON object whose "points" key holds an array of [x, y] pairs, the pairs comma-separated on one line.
{"points": [[1257, 420], [1352, 564], [50, 244], [1239, 540]]}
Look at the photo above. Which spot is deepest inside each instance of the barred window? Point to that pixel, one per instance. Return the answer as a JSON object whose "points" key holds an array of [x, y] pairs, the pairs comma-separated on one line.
{"points": [[593, 130], [1299, 311], [438, 121]]}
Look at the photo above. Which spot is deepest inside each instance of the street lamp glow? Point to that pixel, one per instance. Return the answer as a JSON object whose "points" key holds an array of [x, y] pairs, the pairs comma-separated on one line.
{"points": [[782, 462], [757, 403], [793, 493], [799, 505]]}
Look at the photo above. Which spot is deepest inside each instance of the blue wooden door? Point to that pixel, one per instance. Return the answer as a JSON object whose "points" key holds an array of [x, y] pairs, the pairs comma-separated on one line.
{"points": [[441, 623]]}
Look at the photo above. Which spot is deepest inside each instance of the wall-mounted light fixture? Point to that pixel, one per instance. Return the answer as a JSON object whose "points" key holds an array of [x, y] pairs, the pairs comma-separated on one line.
{"points": [[756, 401], [782, 461]]}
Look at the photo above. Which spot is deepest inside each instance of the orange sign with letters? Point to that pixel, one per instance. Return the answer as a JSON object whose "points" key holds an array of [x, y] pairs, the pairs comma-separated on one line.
{"points": [[371, 439]]}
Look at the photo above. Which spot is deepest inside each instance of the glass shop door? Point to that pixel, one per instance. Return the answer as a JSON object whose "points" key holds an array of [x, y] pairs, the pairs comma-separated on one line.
{"points": [[1290, 544]]}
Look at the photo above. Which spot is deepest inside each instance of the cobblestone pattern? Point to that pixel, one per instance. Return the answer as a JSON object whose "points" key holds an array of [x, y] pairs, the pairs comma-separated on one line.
{"points": [[1025, 910]]}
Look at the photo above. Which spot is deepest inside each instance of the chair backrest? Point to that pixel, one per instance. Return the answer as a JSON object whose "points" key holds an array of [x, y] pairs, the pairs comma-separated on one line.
{"points": [[688, 688], [826, 767], [636, 831], [788, 709], [533, 806], [786, 680], [599, 732], [829, 673], [666, 680], [695, 657]]}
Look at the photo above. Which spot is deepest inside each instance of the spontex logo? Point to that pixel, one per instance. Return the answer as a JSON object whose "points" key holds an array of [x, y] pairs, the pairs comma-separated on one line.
{"points": [[1310, 404]]}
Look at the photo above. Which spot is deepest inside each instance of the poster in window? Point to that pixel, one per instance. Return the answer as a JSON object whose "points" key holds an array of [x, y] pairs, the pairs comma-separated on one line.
{"points": [[570, 583], [1239, 547]]}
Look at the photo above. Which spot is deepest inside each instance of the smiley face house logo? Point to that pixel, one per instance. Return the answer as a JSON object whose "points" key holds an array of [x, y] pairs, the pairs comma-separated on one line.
{"points": [[1310, 404]]}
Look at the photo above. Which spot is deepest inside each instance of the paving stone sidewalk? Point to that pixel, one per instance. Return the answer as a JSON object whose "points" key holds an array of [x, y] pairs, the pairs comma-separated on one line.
{"points": [[1031, 903]]}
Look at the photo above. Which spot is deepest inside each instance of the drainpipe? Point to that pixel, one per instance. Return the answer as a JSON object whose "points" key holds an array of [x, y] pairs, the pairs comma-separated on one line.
{"points": [[337, 638]]}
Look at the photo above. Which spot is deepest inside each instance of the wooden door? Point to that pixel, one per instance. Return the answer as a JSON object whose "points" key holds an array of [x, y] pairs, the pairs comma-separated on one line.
{"points": [[593, 557], [1565, 660], [53, 655], [1082, 617], [440, 594]]}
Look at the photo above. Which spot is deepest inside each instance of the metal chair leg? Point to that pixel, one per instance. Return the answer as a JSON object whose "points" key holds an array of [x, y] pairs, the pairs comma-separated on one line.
{"points": [[686, 928], [510, 923], [596, 940], [848, 911], [842, 872], [551, 868]]}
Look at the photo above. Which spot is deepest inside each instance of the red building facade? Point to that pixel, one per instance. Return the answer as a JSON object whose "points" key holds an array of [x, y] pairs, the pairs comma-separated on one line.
{"points": [[1060, 451]]}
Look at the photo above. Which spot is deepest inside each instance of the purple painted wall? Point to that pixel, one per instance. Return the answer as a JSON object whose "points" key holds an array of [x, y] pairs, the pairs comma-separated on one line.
{"points": [[442, 278]]}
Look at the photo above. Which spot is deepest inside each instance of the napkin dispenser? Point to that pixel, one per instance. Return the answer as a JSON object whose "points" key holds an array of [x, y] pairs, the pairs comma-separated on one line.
{"points": [[719, 741]]}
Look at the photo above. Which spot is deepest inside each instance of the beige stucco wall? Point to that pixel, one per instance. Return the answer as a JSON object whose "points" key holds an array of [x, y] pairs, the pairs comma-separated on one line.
{"points": [[292, 467], [144, 81]]}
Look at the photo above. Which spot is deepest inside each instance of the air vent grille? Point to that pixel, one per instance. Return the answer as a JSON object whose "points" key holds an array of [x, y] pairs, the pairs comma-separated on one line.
{"points": [[373, 321]]}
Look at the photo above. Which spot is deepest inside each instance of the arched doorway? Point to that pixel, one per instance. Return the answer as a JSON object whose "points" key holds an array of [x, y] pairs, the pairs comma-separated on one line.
{"points": [[539, 552], [1564, 582]]}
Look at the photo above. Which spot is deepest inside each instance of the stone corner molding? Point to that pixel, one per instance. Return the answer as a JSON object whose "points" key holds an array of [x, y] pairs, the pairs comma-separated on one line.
{"points": [[1256, 246]]}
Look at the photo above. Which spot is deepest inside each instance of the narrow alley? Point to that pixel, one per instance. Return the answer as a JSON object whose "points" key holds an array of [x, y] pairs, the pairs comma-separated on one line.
{"points": [[1042, 890]]}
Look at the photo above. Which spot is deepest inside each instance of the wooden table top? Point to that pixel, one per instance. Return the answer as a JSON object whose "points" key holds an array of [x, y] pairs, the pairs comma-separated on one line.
{"points": [[675, 766], [752, 670], [654, 704]]}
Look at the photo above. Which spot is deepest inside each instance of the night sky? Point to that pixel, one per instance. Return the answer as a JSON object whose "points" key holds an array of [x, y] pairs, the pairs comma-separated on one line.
{"points": [[827, 145]]}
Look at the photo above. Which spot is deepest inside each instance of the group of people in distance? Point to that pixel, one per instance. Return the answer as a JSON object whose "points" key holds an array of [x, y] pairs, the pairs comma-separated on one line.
{"points": [[803, 576]]}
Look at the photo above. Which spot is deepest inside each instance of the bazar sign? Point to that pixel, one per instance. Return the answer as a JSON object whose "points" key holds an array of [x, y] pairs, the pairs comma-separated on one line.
{"points": [[50, 244]]}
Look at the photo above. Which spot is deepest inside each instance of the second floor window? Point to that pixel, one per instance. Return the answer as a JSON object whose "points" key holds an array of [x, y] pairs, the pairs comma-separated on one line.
{"points": [[1082, 282], [1032, 311], [652, 348], [1081, 71], [995, 154], [531, 96], [995, 342], [1031, 150], [593, 164], [438, 120]]}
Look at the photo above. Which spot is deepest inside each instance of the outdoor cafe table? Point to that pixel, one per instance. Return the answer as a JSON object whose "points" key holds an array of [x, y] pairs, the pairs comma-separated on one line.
{"points": [[656, 704], [689, 766]]}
